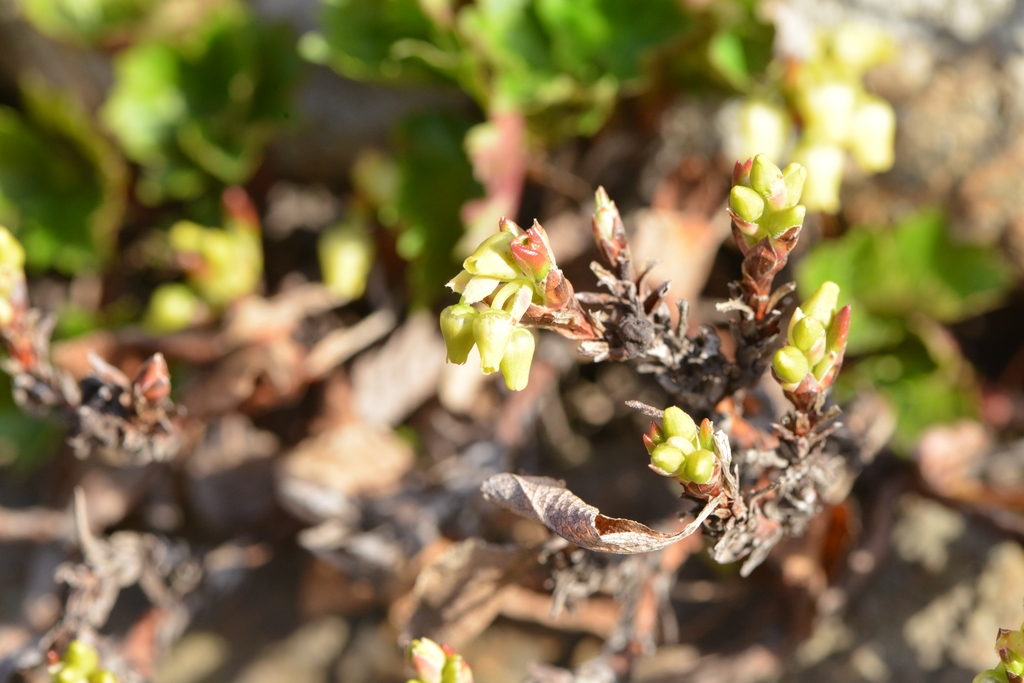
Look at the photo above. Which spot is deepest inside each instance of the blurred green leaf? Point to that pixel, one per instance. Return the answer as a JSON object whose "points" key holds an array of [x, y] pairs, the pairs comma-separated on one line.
{"points": [[436, 180], [200, 111], [358, 36], [725, 53], [25, 441], [61, 183], [900, 283], [560, 62], [912, 267], [85, 21]]}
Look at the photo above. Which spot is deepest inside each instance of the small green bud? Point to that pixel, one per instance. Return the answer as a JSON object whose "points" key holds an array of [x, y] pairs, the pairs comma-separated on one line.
{"points": [[172, 307], [102, 676], [1012, 661], [1010, 646], [746, 203], [807, 333], [457, 330], [427, 660], [781, 221], [822, 304], [766, 179], [456, 670], [12, 254], [515, 364], [790, 364], [990, 676], [492, 330], [493, 258], [186, 236], [70, 674], [677, 423], [81, 656], [700, 466], [685, 445], [667, 458], [604, 221], [795, 176]]}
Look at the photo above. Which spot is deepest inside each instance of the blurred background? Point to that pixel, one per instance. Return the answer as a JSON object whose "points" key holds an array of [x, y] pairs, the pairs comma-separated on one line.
{"points": [[274, 193]]}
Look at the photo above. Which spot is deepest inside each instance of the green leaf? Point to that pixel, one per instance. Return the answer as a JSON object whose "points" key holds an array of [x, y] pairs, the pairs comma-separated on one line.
{"points": [[357, 36], [912, 267], [200, 112], [725, 54], [25, 441], [897, 280], [436, 180], [61, 183], [85, 21], [560, 62]]}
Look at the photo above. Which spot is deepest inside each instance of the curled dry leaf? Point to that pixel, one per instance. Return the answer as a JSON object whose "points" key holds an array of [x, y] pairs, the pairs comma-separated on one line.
{"points": [[547, 501]]}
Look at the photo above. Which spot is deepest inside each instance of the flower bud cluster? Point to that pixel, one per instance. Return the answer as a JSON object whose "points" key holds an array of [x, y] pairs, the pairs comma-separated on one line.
{"points": [[435, 663], [346, 256], [680, 449], [506, 274], [816, 340], [221, 265], [1010, 648], [12, 274], [764, 201], [80, 664], [835, 114]]}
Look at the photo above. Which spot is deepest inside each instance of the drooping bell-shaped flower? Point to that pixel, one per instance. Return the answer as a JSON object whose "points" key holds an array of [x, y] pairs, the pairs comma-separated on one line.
{"points": [[457, 330], [492, 330], [515, 364]]}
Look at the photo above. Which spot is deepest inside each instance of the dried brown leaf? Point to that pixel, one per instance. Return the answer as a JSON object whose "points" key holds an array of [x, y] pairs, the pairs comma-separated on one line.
{"points": [[547, 501]]}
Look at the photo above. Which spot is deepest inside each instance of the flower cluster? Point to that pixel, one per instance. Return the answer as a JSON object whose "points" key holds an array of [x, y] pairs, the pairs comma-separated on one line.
{"points": [[508, 273], [80, 664], [12, 273], [221, 265], [679, 449], [764, 201], [435, 663], [825, 94], [1010, 647], [816, 341]]}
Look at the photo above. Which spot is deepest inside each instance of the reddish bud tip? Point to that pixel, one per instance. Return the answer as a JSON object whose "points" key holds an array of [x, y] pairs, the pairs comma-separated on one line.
{"points": [[239, 207], [706, 435], [741, 171], [840, 329], [153, 381], [654, 431]]}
